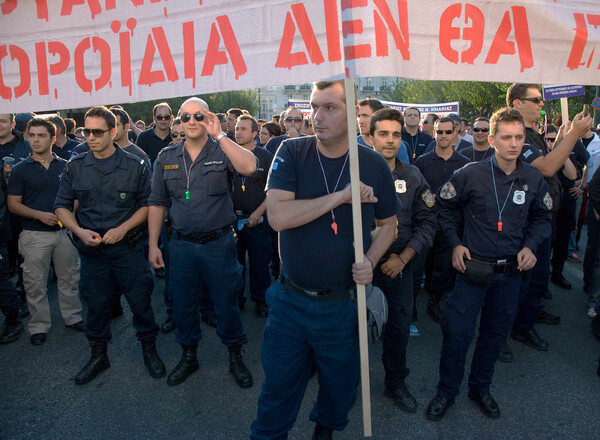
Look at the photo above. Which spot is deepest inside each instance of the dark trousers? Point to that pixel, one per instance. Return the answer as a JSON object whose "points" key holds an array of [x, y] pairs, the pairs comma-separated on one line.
{"points": [[168, 298], [9, 300], [213, 264], [126, 267], [439, 273], [302, 333], [256, 243], [398, 293], [532, 289], [565, 223], [591, 249], [497, 302]]}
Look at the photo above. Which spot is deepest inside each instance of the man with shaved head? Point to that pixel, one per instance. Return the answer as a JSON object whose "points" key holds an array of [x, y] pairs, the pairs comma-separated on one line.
{"points": [[193, 178]]}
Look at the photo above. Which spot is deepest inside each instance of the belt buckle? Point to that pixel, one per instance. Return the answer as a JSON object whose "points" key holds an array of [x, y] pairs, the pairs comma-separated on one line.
{"points": [[499, 262], [312, 293]]}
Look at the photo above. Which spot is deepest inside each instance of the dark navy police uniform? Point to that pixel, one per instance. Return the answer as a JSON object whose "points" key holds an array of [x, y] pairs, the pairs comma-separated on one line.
{"points": [[109, 192], [202, 248], [416, 228], [439, 273], [248, 194], [526, 222], [312, 320]]}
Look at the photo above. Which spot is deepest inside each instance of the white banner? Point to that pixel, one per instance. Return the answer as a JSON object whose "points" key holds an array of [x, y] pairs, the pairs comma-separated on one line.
{"points": [[57, 54]]}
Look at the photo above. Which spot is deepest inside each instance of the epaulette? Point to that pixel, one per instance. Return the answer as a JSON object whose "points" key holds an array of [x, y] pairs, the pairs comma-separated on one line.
{"points": [[167, 148]]}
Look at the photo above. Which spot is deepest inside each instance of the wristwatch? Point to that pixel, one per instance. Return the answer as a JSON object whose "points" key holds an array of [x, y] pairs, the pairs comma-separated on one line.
{"points": [[221, 136]]}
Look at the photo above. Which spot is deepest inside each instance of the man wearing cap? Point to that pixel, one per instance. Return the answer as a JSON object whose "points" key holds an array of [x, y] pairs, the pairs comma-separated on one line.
{"points": [[393, 274], [312, 315]]}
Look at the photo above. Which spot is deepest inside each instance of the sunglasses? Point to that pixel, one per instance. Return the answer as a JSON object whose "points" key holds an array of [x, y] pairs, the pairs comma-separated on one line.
{"points": [[551, 140], [97, 132], [163, 117], [444, 131], [185, 117], [296, 120], [483, 130], [535, 100], [175, 135]]}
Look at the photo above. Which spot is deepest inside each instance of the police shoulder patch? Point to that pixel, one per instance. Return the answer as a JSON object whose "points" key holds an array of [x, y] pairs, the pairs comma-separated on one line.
{"points": [[448, 191], [428, 198], [548, 202]]}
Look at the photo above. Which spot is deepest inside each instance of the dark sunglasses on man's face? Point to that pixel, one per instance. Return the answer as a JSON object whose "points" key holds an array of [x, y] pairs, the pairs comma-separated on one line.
{"points": [[483, 130], [185, 117], [551, 140], [535, 100], [175, 135], [97, 132], [444, 131], [163, 117], [295, 120]]}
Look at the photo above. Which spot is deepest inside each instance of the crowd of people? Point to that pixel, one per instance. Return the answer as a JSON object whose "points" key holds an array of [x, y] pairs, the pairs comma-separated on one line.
{"points": [[480, 216]]}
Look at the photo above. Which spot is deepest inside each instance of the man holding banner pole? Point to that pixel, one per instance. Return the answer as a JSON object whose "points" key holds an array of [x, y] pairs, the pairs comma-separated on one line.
{"points": [[313, 322]]}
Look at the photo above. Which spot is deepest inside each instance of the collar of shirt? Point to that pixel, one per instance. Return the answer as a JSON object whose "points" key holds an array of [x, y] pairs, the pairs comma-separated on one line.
{"points": [[208, 149], [399, 168], [30, 158], [88, 160]]}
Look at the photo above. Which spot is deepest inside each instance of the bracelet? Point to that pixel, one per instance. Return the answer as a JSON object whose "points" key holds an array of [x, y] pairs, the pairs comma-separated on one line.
{"points": [[221, 136], [403, 262]]}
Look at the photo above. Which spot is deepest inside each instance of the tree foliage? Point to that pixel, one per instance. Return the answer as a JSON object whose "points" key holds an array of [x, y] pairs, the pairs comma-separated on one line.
{"points": [[476, 98]]}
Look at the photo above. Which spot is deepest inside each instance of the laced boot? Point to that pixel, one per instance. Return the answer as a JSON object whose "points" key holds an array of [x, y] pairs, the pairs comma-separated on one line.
{"points": [[153, 362], [237, 368], [186, 366], [98, 363]]}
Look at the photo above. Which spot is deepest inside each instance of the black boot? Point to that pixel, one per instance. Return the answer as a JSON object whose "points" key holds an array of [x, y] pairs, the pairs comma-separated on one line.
{"points": [[12, 327], [153, 362], [97, 363], [322, 433], [237, 368], [186, 366]]}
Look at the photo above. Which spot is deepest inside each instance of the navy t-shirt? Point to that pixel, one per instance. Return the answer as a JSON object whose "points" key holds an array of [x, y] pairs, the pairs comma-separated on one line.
{"points": [[38, 187], [249, 192], [312, 255]]}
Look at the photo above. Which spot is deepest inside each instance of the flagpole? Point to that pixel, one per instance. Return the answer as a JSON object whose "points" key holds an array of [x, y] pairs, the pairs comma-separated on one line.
{"points": [[358, 254]]}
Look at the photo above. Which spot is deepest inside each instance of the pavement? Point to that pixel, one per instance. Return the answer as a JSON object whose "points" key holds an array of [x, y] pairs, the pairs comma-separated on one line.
{"points": [[541, 395]]}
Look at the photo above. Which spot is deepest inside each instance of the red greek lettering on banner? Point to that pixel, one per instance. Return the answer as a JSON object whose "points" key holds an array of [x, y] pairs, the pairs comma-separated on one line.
{"points": [[576, 56], [285, 57], [215, 56], [18, 54], [501, 45]]}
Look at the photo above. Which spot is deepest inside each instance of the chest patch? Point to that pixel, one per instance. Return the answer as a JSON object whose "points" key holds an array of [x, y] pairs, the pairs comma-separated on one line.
{"points": [[170, 167], [519, 197]]}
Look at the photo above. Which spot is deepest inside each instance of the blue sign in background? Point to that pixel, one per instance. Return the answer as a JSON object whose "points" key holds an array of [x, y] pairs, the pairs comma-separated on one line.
{"points": [[555, 92]]}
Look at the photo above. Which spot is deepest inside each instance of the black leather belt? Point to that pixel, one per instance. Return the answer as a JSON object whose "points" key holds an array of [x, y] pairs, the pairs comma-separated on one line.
{"points": [[240, 212], [346, 292], [204, 237], [504, 265]]}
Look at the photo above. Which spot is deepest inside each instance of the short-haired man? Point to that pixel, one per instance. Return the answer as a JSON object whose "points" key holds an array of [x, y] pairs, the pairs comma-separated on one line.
{"points": [[499, 242], [63, 146], [193, 179], [32, 189], [463, 134], [481, 149], [292, 123], [70, 125], [438, 166], [427, 124], [158, 137], [231, 120], [112, 188], [12, 143], [416, 228], [527, 100], [415, 138], [366, 108], [312, 320], [251, 226]]}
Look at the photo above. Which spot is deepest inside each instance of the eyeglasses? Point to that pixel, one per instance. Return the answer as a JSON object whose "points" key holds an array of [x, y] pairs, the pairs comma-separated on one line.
{"points": [[535, 100], [175, 135], [444, 131], [295, 120], [163, 117], [551, 140], [185, 117], [483, 130], [426, 122], [97, 132]]}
